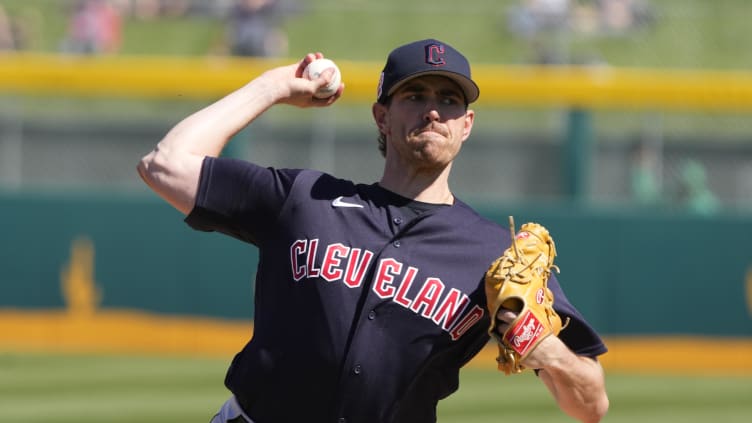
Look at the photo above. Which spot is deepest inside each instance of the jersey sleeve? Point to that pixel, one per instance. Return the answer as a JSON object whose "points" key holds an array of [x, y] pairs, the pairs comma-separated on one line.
{"points": [[239, 198], [578, 335]]}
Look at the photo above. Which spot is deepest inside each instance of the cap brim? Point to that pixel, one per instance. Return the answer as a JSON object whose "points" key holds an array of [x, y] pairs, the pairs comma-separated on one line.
{"points": [[469, 88]]}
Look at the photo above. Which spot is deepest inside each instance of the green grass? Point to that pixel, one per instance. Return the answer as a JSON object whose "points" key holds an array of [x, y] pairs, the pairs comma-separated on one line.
{"points": [[103, 389], [484, 397], [42, 388]]}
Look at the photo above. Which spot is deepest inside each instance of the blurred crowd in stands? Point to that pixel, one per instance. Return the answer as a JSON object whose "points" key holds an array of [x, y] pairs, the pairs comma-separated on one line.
{"points": [[254, 27], [546, 25], [12, 31], [94, 26]]}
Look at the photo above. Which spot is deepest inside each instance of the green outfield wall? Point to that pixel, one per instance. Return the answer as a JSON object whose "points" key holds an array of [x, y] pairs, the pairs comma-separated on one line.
{"points": [[145, 257], [629, 271]]}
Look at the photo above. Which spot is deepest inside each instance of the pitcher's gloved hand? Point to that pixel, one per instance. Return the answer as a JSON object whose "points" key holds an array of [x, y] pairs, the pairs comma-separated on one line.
{"points": [[518, 281]]}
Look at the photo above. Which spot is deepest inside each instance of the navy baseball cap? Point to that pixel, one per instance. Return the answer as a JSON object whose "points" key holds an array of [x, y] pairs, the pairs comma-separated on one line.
{"points": [[425, 57]]}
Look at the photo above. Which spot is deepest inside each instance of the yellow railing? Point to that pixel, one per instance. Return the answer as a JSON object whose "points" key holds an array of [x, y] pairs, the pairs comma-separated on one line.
{"points": [[522, 86]]}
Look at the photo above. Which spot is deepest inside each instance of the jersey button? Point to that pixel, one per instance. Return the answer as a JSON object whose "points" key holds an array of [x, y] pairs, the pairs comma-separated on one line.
{"points": [[397, 244], [357, 369], [397, 220], [371, 315]]}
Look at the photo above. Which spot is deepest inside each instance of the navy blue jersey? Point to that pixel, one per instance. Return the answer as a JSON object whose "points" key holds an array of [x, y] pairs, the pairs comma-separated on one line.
{"points": [[364, 313]]}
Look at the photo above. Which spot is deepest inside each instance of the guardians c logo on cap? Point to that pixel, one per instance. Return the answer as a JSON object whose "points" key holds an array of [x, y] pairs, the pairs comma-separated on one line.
{"points": [[435, 54], [425, 57]]}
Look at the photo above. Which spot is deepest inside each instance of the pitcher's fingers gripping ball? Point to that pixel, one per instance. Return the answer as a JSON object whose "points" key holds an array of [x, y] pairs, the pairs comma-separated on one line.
{"points": [[518, 281], [314, 71]]}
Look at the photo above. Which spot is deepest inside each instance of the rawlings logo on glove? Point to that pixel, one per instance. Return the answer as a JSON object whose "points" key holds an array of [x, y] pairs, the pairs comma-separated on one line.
{"points": [[518, 281], [525, 334]]}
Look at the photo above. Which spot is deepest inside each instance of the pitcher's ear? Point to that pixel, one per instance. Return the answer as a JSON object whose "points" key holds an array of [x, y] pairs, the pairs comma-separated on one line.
{"points": [[379, 115]]}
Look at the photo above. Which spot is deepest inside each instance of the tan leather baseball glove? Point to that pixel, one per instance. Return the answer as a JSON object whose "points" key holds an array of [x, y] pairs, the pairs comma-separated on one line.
{"points": [[518, 281]]}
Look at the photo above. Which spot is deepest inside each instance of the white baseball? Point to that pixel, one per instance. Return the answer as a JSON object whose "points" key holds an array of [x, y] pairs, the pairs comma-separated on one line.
{"points": [[314, 71]]}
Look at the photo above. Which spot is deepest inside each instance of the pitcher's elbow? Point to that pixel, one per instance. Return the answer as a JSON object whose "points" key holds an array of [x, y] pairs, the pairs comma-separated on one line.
{"points": [[149, 167], [599, 409], [142, 168]]}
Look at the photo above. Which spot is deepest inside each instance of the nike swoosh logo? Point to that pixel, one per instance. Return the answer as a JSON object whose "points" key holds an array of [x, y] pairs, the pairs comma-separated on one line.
{"points": [[339, 203]]}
